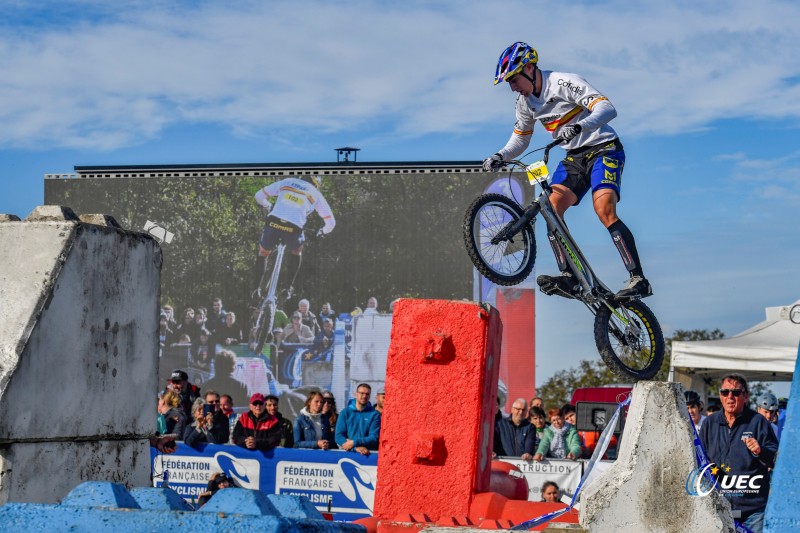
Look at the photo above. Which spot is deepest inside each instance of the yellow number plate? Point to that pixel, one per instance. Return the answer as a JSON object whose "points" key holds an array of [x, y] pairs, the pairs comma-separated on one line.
{"points": [[537, 171]]}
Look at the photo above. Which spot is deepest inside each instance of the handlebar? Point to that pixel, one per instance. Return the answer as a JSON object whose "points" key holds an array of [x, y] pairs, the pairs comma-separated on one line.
{"points": [[548, 147]]}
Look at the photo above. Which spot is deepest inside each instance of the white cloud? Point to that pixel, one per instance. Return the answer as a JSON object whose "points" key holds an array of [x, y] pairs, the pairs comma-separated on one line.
{"points": [[111, 77]]}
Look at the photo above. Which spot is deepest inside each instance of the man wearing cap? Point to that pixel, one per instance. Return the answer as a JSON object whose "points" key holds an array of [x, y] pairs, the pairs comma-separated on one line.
{"points": [[257, 429], [742, 446], [179, 382], [695, 406], [767, 406]]}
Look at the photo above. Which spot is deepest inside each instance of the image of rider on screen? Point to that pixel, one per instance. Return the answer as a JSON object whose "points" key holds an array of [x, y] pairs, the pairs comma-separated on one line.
{"points": [[294, 199], [577, 114]]}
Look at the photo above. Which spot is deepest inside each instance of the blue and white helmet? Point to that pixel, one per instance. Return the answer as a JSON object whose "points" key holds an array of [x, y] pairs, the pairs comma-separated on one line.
{"points": [[513, 60]]}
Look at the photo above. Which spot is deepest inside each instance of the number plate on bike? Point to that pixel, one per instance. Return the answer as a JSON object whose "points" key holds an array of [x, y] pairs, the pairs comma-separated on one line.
{"points": [[537, 172]]}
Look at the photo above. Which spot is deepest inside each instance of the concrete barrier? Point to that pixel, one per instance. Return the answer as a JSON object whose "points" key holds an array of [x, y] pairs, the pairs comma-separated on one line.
{"points": [[645, 489], [78, 353], [103, 506], [783, 506]]}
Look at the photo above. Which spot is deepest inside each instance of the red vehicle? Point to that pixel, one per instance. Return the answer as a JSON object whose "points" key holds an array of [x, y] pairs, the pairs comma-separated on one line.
{"points": [[598, 398]]}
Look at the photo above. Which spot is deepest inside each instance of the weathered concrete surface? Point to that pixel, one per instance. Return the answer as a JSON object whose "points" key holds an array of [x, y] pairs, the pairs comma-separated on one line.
{"points": [[783, 507], [78, 344], [645, 489], [434, 462], [44, 472]]}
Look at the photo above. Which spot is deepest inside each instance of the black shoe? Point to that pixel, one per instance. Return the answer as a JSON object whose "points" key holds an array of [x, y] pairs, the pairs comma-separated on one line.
{"points": [[564, 285], [637, 287]]}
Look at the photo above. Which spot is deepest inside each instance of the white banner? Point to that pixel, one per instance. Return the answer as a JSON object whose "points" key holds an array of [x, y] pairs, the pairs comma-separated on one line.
{"points": [[566, 474]]}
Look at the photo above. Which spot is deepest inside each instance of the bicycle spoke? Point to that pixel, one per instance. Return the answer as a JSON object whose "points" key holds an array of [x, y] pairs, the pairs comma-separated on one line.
{"points": [[505, 256]]}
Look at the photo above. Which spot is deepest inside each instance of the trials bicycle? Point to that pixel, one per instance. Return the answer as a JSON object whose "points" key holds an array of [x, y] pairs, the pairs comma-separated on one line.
{"points": [[500, 240]]}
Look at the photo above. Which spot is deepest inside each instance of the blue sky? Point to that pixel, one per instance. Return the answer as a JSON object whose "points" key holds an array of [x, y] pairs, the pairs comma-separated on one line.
{"points": [[708, 97]]}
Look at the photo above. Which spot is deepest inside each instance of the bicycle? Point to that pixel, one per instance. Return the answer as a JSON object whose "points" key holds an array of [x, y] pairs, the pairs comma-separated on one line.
{"points": [[627, 333]]}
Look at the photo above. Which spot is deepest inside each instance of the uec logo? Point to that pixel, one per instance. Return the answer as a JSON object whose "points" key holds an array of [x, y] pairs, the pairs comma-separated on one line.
{"points": [[701, 482]]}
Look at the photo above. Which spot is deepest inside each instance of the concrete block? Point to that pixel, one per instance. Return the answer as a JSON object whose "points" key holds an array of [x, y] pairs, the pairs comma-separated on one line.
{"points": [[433, 463], [296, 507], [8, 218], [783, 506], [250, 502], [645, 489], [45, 472], [159, 499], [100, 494]]}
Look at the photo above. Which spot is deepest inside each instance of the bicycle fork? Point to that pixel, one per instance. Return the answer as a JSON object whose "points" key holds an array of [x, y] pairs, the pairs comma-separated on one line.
{"points": [[508, 233]]}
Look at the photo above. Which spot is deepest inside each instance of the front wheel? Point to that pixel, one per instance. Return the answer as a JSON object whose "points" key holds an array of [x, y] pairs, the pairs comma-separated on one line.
{"points": [[629, 339], [509, 261]]}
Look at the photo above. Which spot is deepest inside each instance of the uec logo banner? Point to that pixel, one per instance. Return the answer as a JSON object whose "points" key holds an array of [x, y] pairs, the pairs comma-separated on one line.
{"points": [[702, 481], [342, 480]]}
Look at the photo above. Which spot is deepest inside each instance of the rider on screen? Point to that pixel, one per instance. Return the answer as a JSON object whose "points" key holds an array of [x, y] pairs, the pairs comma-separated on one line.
{"points": [[295, 200], [578, 115]]}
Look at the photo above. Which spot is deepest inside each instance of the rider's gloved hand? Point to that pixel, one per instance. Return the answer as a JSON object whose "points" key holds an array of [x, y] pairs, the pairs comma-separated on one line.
{"points": [[490, 164], [567, 133]]}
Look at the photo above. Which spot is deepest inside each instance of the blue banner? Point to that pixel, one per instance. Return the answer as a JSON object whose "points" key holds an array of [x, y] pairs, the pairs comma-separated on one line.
{"points": [[343, 482]]}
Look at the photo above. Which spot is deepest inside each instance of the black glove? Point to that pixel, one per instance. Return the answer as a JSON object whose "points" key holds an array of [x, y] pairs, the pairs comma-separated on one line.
{"points": [[567, 133], [490, 164]]}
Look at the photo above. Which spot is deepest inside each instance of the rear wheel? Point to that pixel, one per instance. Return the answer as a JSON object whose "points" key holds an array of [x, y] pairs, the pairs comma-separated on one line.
{"points": [[630, 340], [509, 261]]}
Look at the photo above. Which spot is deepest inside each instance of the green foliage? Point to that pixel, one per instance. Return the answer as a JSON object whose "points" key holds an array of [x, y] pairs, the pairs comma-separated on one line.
{"points": [[558, 390]]}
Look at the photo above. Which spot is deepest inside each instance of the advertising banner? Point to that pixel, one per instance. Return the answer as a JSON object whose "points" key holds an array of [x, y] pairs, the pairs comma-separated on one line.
{"points": [[566, 474], [336, 481]]}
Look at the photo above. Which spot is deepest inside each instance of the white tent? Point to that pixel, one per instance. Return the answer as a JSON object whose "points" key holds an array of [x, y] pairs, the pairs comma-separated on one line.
{"points": [[765, 352]]}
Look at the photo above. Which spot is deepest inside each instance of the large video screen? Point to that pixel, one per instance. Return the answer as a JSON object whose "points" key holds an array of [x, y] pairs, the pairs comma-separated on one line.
{"points": [[396, 235]]}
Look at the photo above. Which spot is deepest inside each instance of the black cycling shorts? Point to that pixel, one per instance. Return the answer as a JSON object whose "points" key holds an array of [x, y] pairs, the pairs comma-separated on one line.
{"points": [[277, 230]]}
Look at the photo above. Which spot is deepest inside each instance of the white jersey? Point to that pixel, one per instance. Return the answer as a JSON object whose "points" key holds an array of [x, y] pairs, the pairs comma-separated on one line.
{"points": [[295, 200], [565, 99]]}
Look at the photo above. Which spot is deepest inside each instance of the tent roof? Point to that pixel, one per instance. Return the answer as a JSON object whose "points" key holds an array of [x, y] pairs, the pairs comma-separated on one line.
{"points": [[766, 351]]}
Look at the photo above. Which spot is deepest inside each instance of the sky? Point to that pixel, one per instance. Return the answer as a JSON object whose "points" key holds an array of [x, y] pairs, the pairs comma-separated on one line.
{"points": [[707, 95]]}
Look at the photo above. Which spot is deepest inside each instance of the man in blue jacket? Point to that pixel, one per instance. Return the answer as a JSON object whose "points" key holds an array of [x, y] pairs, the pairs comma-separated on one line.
{"points": [[515, 436], [359, 425], [742, 446]]}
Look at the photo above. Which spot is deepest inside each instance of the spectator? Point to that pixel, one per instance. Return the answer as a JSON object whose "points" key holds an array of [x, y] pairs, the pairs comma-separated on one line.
{"points": [[570, 417], [379, 399], [202, 349], [257, 429], [695, 406], [287, 433], [311, 428], [744, 442], [359, 425], [297, 332], [226, 408], [169, 312], [223, 380], [329, 410], [187, 327], [229, 333], [308, 318], [550, 492], [372, 306], [560, 440], [216, 319], [539, 421], [537, 402], [200, 320], [221, 422], [515, 436], [204, 428], [327, 312], [179, 383], [171, 418], [324, 338], [165, 332], [218, 481], [767, 406]]}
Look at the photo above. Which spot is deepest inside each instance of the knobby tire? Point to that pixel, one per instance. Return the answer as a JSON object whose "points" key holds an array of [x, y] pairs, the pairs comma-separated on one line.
{"points": [[506, 263], [636, 358]]}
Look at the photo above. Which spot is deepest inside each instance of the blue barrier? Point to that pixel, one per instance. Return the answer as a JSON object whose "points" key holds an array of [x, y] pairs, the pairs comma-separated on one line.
{"points": [[345, 481], [783, 506], [102, 506]]}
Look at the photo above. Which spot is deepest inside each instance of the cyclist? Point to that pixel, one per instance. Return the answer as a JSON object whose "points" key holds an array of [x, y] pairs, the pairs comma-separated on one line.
{"points": [[578, 115], [295, 199]]}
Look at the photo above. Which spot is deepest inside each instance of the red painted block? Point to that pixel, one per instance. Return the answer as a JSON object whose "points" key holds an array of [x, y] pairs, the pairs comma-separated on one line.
{"points": [[437, 424], [487, 505]]}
